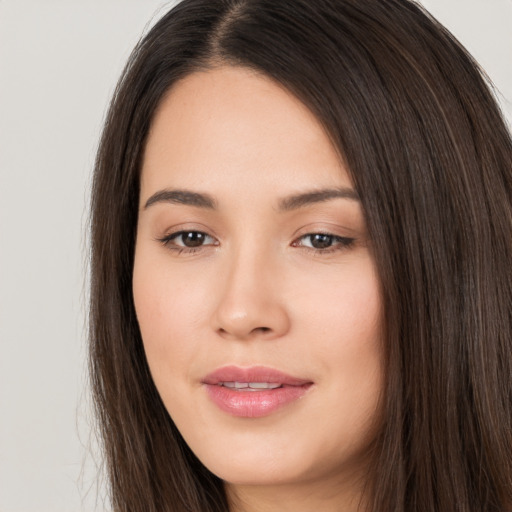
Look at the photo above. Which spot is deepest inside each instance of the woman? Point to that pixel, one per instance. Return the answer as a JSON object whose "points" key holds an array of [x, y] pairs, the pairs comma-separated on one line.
{"points": [[301, 247]]}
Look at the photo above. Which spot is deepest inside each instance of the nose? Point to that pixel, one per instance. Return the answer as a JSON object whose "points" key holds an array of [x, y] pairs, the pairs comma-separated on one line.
{"points": [[251, 304]]}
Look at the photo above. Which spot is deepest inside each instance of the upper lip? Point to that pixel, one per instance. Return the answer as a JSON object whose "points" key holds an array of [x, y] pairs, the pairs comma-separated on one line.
{"points": [[252, 374]]}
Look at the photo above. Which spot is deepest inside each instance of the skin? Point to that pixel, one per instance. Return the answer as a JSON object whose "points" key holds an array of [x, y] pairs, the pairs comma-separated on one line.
{"points": [[258, 290]]}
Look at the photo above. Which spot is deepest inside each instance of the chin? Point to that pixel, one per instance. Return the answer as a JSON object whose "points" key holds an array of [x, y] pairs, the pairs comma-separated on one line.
{"points": [[274, 458], [269, 471]]}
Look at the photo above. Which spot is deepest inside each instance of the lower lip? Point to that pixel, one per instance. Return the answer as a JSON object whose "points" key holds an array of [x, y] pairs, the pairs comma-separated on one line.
{"points": [[254, 404]]}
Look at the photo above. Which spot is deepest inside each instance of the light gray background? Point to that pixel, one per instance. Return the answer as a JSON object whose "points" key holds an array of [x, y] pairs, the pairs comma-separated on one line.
{"points": [[59, 61]]}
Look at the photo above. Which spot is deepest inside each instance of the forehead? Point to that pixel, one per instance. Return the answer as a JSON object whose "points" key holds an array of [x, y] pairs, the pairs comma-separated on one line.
{"points": [[233, 127]]}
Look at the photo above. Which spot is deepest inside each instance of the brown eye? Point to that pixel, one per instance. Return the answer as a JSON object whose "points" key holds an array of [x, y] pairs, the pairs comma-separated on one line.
{"points": [[321, 241], [189, 239], [193, 238]]}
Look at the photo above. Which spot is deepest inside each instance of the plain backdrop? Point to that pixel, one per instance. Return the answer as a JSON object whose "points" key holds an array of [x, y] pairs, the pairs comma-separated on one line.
{"points": [[59, 62]]}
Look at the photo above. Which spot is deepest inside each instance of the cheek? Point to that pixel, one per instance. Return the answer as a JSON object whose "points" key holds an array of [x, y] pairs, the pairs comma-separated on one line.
{"points": [[168, 310], [344, 329], [343, 308]]}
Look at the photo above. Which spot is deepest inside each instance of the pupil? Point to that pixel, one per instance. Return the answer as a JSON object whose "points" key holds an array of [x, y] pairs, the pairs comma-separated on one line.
{"points": [[193, 239], [319, 241]]}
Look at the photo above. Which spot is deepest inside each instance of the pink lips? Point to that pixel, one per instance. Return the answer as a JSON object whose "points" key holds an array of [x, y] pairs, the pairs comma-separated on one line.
{"points": [[253, 392]]}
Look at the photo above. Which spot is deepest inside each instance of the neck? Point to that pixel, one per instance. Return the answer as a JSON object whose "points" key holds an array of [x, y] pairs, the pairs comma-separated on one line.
{"points": [[324, 496]]}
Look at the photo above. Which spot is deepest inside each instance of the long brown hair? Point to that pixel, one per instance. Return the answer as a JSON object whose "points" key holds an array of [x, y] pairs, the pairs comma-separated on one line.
{"points": [[431, 159]]}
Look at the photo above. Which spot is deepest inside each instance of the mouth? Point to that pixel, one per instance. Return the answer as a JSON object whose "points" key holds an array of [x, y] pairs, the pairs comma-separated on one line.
{"points": [[253, 392], [250, 386]]}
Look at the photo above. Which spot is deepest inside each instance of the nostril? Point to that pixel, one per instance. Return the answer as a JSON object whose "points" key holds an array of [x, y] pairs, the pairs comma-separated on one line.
{"points": [[251, 334], [262, 329]]}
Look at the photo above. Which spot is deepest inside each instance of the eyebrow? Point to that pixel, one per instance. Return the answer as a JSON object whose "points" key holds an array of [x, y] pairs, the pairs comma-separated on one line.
{"points": [[289, 203], [297, 201], [182, 197]]}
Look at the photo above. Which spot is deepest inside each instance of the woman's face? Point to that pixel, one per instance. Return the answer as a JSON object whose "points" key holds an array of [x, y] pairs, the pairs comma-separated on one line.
{"points": [[254, 284]]}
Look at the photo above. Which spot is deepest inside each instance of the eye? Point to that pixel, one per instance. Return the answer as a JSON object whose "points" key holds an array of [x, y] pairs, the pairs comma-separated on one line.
{"points": [[187, 240], [323, 242], [190, 238]]}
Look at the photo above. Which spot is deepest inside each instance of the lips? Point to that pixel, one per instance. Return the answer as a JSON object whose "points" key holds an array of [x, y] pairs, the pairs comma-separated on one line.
{"points": [[253, 392]]}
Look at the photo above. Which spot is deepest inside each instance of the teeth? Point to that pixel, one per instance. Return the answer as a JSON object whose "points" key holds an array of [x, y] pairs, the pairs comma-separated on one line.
{"points": [[264, 385], [250, 385]]}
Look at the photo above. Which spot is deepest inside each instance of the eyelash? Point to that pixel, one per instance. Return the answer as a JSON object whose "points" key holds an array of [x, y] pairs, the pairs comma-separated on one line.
{"points": [[167, 241], [338, 243]]}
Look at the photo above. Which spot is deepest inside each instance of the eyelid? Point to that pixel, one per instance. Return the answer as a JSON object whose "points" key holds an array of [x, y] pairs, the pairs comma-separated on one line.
{"points": [[327, 228], [187, 227]]}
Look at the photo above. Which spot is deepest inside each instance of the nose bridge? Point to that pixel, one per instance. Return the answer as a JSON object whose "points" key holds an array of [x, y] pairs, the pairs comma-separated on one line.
{"points": [[250, 302]]}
